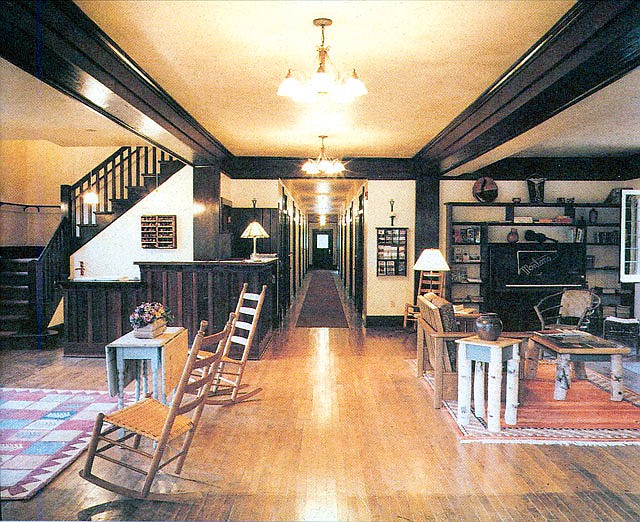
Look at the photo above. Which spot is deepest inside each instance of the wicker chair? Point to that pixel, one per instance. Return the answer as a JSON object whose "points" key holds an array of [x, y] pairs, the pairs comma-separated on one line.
{"points": [[159, 424]]}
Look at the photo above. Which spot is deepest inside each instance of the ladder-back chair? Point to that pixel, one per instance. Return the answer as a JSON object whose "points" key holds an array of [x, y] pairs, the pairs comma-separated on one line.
{"points": [[160, 425], [227, 383]]}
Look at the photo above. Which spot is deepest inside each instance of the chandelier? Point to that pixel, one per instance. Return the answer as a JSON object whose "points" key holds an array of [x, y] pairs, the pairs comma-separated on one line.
{"points": [[323, 164], [325, 81]]}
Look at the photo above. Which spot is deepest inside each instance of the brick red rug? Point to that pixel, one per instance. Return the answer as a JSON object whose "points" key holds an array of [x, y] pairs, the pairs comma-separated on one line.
{"points": [[41, 433], [322, 307], [586, 417]]}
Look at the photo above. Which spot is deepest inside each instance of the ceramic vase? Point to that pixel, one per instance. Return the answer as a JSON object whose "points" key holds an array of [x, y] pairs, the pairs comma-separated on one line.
{"points": [[488, 327]]}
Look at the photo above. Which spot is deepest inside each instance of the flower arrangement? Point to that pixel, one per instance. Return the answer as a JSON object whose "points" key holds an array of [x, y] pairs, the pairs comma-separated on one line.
{"points": [[147, 313]]}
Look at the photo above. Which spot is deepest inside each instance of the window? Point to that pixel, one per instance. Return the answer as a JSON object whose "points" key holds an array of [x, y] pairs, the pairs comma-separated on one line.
{"points": [[322, 241], [630, 232]]}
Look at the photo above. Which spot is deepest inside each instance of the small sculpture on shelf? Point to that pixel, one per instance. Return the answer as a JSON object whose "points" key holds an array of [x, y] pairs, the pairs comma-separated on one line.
{"points": [[512, 236]]}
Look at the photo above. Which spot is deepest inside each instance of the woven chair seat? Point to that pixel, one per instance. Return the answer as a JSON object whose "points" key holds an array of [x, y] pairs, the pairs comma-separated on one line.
{"points": [[147, 417]]}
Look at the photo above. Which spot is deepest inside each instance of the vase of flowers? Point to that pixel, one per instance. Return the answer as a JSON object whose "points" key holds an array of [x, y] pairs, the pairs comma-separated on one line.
{"points": [[149, 320]]}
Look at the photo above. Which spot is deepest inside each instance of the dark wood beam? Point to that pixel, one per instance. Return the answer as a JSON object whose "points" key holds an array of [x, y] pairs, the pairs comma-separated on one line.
{"points": [[60, 45], [594, 44], [562, 169], [259, 167]]}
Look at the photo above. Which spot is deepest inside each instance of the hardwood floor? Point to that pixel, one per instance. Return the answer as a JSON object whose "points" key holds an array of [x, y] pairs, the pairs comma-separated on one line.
{"points": [[342, 431]]}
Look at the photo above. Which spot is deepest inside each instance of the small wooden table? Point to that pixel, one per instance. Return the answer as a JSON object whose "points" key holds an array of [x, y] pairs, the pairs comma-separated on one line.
{"points": [[167, 352], [578, 347], [494, 353]]}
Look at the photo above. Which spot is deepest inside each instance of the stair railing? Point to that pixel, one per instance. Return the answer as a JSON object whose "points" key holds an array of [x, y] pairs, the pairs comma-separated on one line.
{"points": [[51, 266], [111, 180]]}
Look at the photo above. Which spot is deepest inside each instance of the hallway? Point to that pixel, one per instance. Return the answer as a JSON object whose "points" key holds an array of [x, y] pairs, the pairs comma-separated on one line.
{"points": [[342, 431]]}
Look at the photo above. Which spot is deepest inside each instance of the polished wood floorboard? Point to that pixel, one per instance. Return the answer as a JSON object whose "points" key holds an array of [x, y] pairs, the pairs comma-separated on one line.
{"points": [[342, 431]]}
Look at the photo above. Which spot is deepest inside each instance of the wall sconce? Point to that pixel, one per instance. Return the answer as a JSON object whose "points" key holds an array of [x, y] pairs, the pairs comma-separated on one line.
{"points": [[392, 214]]}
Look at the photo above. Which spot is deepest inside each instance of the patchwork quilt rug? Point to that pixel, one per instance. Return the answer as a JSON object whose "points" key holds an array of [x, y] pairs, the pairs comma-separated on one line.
{"points": [[41, 433], [586, 418]]}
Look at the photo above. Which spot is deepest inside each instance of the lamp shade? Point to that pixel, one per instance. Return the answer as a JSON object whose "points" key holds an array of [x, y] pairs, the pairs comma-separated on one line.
{"points": [[431, 260], [254, 230]]}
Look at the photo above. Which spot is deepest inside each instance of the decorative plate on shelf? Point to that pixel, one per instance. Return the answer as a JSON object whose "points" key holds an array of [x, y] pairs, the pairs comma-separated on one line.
{"points": [[485, 190]]}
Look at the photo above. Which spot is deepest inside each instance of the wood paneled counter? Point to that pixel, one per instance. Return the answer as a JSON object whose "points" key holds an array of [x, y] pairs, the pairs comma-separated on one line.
{"points": [[97, 312]]}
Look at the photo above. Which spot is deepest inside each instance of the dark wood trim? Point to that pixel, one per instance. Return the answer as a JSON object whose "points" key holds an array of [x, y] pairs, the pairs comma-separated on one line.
{"points": [[263, 167], [60, 45], [384, 321], [427, 230], [562, 169], [594, 44], [206, 222]]}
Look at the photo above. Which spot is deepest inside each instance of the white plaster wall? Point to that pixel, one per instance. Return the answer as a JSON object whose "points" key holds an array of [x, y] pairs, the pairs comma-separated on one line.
{"points": [[387, 295], [241, 191], [111, 253]]}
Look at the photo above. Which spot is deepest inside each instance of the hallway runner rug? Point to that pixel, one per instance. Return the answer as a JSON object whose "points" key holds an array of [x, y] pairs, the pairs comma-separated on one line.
{"points": [[322, 307], [43, 431], [587, 417]]}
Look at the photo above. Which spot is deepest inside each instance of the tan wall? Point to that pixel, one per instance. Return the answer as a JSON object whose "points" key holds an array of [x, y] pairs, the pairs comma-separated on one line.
{"points": [[31, 171], [387, 295]]}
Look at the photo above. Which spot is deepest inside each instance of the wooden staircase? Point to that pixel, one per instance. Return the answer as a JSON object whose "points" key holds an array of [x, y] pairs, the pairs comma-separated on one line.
{"points": [[19, 320], [29, 289], [120, 182]]}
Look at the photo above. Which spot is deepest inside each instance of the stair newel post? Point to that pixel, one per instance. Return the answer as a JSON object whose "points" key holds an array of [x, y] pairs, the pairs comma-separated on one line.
{"points": [[66, 213]]}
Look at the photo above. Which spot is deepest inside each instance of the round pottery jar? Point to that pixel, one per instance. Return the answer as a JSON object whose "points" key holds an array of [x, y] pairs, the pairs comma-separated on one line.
{"points": [[488, 327]]}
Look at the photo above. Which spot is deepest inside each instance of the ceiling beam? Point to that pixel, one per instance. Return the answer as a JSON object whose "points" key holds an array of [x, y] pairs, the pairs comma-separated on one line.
{"points": [[261, 167], [591, 46], [622, 168], [58, 44]]}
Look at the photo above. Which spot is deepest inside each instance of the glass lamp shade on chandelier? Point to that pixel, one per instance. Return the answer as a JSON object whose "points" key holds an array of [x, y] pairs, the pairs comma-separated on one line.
{"points": [[323, 164], [325, 81]]}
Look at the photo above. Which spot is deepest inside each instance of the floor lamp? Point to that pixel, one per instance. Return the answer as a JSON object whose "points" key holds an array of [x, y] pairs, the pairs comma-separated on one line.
{"points": [[432, 267]]}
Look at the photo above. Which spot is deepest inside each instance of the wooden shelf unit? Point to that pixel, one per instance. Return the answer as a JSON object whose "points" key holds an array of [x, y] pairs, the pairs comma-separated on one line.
{"points": [[473, 227], [158, 232]]}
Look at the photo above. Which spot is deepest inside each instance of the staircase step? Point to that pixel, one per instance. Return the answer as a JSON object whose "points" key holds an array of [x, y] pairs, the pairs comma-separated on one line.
{"points": [[14, 302], [12, 340], [14, 278], [87, 231], [104, 218], [14, 291]]}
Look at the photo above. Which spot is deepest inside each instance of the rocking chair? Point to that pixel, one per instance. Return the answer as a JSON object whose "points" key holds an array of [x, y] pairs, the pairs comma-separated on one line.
{"points": [[153, 420], [226, 388]]}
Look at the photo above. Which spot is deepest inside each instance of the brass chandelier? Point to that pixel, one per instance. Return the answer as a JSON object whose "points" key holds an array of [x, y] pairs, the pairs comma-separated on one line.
{"points": [[325, 81], [323, 164]]}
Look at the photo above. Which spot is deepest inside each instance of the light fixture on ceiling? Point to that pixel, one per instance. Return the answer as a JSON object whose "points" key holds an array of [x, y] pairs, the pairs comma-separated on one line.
{"points": [[325, 81], [323, 164]]}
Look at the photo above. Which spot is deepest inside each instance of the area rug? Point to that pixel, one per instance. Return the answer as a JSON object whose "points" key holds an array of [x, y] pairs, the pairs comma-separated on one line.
{"points": [[322, 307], [586, 418], [42, 432]]}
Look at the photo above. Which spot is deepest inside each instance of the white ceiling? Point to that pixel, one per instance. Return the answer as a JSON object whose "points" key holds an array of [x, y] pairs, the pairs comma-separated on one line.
{"points": [[423, 62]]}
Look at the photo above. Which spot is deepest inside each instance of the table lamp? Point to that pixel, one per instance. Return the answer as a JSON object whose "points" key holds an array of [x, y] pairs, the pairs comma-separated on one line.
{"points": [[432, 266], [254, 231]]}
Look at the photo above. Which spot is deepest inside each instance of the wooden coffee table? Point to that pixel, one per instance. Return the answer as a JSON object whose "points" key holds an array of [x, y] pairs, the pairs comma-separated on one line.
{"points": [[578, 347]]}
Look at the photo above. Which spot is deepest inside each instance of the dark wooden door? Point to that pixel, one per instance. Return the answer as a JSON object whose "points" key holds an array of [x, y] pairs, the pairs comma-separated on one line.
{"points": [[323, 249], [359, 256]]}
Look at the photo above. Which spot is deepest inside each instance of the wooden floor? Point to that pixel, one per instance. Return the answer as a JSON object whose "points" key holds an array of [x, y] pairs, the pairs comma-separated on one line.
{"points": [[342, 431]]}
